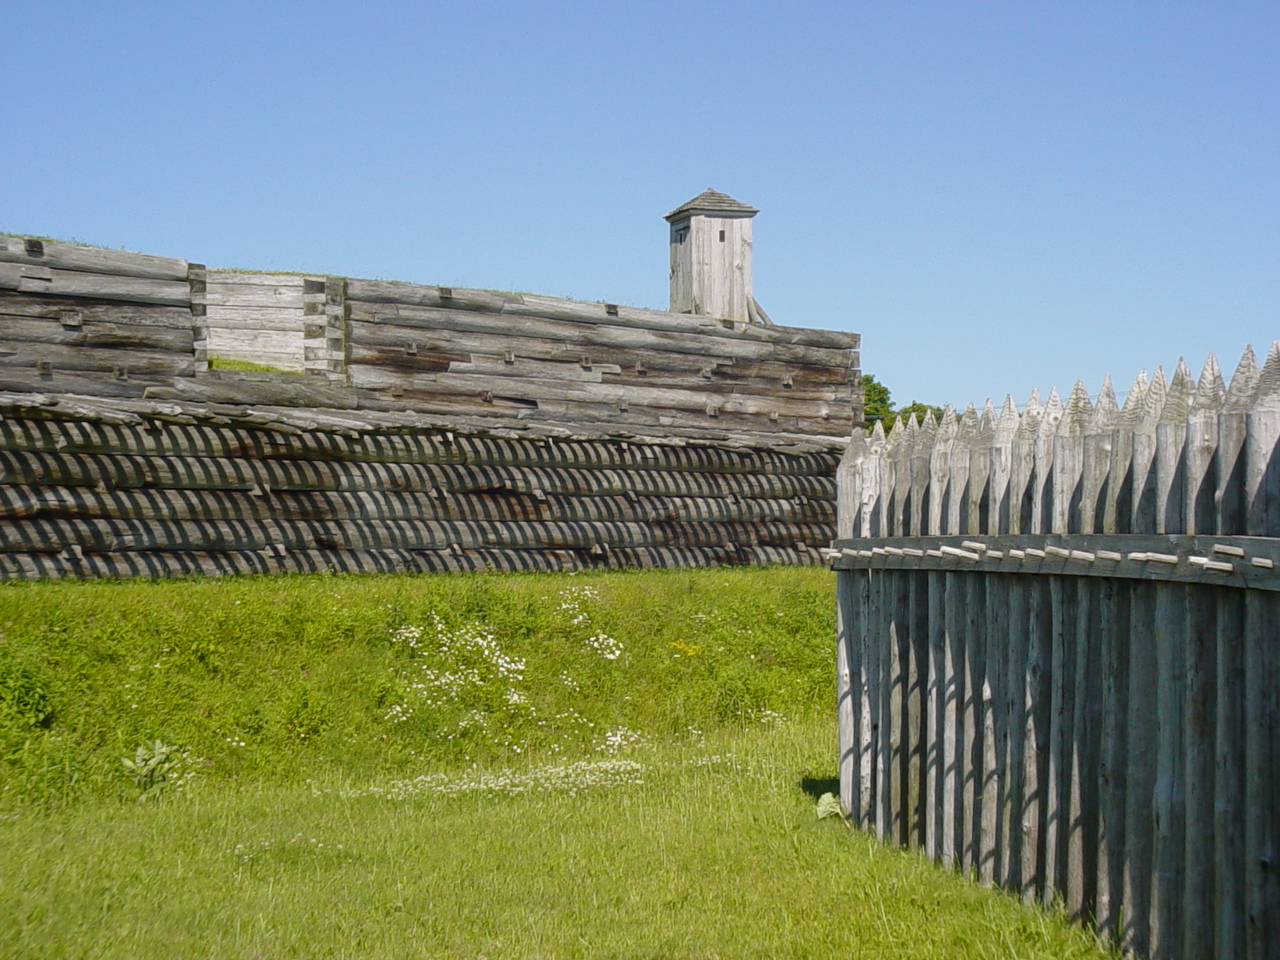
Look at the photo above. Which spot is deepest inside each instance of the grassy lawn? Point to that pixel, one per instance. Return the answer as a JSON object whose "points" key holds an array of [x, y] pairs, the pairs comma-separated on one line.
{"points": [[613, 765]]}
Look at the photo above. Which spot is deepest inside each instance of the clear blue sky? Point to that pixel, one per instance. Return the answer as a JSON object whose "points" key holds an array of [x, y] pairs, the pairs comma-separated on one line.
{"points": [[996, 195]]}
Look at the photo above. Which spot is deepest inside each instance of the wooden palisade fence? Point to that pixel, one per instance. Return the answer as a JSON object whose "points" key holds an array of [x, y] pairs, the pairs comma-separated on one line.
{"points": [[1058, 664]]}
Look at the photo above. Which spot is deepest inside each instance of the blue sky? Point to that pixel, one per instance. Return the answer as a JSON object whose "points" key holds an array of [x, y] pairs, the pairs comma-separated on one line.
{"points": [[997, 195]]}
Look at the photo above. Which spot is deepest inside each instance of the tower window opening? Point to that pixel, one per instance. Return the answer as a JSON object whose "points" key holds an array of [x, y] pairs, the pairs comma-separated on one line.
{"points": [[722, 236]]}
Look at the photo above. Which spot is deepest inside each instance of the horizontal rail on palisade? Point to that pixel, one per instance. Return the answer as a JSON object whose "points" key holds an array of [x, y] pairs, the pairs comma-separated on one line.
{"points": [[1246, 562]]}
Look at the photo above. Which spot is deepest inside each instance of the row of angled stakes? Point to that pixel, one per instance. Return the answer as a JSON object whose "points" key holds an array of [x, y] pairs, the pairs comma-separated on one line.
{"points": [[1148, 400]]}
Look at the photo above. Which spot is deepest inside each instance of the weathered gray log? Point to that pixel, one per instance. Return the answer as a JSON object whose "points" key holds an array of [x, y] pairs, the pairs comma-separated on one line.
{"points": [[404, 294], [71, 256], [121, 363], [79, 332], [423, 319], [46, 282]]}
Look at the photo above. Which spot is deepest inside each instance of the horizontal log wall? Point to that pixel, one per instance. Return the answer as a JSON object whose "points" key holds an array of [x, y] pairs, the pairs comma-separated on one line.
{"points": [[76, 319], [125, 488], [1057, 659], [397, 426]]}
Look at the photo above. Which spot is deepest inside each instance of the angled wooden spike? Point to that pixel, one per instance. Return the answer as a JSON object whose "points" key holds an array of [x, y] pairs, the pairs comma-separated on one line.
{"points": [[873, 484], [1210, 389], [1177, 402], [1201, 450], [957, 508], [1118, 515], [918, 500], [1264, 431], [1001, 469], [1171, 438], [1068, 462], [1153, 400], [1232, 428], [980, 499], [849, 485], [940, 472], [1131, 412], [989, 415], [1022, 466], [1106, 405], [900, 464], [1244, 382], [1097, 500], [1042, 480]]}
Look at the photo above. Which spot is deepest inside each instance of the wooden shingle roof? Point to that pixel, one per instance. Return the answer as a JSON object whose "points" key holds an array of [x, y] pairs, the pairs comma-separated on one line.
{"points": [[713, 204]]}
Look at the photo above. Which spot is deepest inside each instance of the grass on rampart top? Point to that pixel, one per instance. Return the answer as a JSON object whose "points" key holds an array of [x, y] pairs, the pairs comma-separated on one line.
{"points": [[594, 765]]}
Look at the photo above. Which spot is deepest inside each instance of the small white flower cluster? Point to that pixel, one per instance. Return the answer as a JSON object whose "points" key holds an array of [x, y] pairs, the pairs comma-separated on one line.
{"points": [[464, 658], [619, 738], [573, 778], [407, 635], [248, 851], [768, 717], [572, 600], [605, 645]]}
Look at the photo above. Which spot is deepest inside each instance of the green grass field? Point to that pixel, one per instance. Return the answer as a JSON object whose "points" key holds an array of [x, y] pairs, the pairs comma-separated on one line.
{"points": [[599, 765]]}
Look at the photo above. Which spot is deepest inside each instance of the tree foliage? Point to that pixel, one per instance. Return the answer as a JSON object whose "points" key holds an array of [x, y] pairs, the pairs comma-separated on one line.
{"points": [[878, 405]]}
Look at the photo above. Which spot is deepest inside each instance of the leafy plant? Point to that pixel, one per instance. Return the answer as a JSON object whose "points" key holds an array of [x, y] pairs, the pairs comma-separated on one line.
{"points": [[152, 766], [23, 697]]}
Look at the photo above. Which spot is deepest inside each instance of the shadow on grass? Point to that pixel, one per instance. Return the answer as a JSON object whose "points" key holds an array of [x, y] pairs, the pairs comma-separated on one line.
{"points": [[817, 786]]}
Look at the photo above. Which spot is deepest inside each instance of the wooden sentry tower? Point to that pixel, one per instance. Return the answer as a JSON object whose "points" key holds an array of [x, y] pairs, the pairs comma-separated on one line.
{"points": [[711, 258]]}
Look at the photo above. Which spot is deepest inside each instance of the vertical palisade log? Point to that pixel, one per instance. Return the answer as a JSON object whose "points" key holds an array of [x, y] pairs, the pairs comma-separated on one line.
{"points": [[866, 705], [958, 505], [849, 492], [915, 650], [1118, 514], [941, 493], [994, 786], [1143, 706], [939, 844], [1016, 723], [1200, 489], [1171, 640], [1068, 462], [896, 597], [1233, 484], [935, 714], [984, 432], [848, 629], [885, 641], [876, 485], [950, 693], [1000, 471], [1113, 765], [921, 453], [1035, 878], [1057, 788], [1099, 431], [1262, 672], [1022, 466], [968, 692], [918, 706], [899, 452], [1043, 507], [1108, 452], [1231, 857]]}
